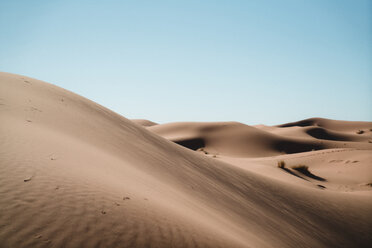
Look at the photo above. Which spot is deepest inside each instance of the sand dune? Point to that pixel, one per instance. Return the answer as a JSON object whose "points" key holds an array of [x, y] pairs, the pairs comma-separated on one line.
{"points": [[351, 126], [240, 140], [75, 174], [322, 133]]}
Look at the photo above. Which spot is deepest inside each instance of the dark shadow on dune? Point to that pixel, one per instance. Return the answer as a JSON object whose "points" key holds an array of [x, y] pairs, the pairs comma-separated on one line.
{"points": [[321, 133], [293, 174], [304, 170], [290, 147], [193, 144]]}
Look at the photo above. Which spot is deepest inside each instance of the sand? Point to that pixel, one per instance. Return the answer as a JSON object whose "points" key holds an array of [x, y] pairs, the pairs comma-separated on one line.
{"points": [[75, 174], [239, 140], [144, 123]]}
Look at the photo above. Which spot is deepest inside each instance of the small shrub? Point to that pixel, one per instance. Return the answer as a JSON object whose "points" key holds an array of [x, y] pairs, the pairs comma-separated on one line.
{"points": [[360, 132], [301, 168], [202, 150], [281, 164]]}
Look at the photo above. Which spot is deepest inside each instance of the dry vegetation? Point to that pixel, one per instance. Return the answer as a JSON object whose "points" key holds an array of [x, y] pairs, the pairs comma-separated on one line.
{"points": [[281, 164]]}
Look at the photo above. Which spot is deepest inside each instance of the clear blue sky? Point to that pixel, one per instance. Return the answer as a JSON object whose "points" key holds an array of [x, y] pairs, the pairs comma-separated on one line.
{"points": [[251, 61]]}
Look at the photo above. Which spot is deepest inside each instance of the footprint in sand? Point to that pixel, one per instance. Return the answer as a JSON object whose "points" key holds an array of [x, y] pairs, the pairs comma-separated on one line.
{"points": [[35, 109], [321, 186], [27, 179], [335, 161]]}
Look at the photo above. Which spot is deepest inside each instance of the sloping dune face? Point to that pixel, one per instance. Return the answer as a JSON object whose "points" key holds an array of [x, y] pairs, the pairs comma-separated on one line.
{"points": [[75, 174]]}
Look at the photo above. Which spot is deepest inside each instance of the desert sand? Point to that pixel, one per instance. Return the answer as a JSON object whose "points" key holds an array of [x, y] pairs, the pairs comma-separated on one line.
{"points": [[144, 123], [75, 174]]}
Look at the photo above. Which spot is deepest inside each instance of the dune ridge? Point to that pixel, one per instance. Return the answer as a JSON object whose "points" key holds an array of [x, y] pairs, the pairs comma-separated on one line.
{"points": [[75, 174]]}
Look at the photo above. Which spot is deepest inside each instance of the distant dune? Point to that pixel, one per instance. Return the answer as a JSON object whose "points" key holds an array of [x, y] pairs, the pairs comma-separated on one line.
{"points": [[240, 140], [345, 126], [75, 174]]}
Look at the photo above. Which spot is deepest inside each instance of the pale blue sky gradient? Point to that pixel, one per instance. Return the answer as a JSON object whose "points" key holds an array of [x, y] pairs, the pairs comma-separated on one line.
{"points": [[251, 61]]}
